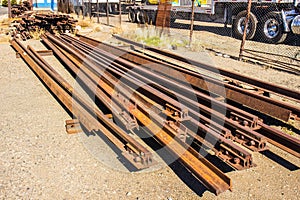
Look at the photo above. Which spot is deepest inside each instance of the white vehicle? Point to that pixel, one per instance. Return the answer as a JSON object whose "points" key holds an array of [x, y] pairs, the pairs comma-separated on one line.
{"points": [[271, 20]]}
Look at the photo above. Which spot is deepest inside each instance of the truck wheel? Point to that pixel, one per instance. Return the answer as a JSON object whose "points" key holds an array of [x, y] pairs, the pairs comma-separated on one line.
{"points": [[271, 29], [173, 17], [152, 18], [238, 26], [142, 17], [131, 16], [146, 17], [139, 17]]}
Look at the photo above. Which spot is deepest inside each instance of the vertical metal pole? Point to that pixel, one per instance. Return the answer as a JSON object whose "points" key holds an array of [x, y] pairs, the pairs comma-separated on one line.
{"points": [[9, 8], [90, 9], [192, 22], [52, 5], [120, 13], [164, 17], [107, 12], [83, 8], [77, 8], [98, 20], [31, 4], [245, 30]]}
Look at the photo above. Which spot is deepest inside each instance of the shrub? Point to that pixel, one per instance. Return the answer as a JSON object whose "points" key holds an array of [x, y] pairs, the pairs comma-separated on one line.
{"points": [[5, 2]]}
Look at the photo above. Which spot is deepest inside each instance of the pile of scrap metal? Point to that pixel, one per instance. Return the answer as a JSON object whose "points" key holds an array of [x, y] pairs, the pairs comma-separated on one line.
{"points": [[24, 28], [20, 9]]}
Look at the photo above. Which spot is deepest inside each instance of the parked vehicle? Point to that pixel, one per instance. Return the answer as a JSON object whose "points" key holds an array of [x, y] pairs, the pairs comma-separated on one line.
{"points": [[270, 20]]}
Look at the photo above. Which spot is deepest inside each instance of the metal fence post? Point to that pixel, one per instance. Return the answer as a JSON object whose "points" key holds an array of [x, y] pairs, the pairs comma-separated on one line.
{"points": [[245, 30], [120, 12], [192, 22], [107, 12], [9, 8], [90, 9], [98, 20]]}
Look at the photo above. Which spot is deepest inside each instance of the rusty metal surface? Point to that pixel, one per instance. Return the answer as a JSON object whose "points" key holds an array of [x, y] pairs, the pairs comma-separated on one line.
{"points": [[256, 83], [45, 52], [163, 15], [281, 140], [232, 155], [209, 175], [259, 145], [55, 83], [241, 135], [35, 22], [260, 102], [19, 9], [107, 67]]}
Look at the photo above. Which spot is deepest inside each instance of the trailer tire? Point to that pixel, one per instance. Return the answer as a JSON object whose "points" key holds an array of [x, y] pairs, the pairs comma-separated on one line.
{"points": [[146, 17], [270, 29], [142, 17], [152, 18], [239, 25], [131, 16]]}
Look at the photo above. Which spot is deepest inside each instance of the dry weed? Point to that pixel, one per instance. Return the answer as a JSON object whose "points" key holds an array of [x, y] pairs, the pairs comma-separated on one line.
{"points": [[117, 30], [84, 23], [5, 21], [4, 39], [97, 29], [36, 34]]}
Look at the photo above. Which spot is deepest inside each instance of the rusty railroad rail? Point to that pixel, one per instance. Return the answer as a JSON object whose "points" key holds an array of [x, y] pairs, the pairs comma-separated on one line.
{"points": [[259, 100], [145, 92], [247, 123]]}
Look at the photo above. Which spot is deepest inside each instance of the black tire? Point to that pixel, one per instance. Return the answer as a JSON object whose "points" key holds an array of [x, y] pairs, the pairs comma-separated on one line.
{"points": [[172, 17], [172, 20], [142, 17], [152, 18], [239, 25], [146, 17], [271, 29], [139, 17], [131, 16]]}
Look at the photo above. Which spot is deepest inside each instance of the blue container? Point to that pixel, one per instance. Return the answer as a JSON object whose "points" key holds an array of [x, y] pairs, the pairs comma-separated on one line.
{"points": [[51, 4]]}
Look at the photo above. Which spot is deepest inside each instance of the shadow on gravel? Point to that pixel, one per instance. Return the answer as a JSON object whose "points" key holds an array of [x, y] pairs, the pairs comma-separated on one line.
{"points": [[187, 177], [278, 159], [178, 168], [129, 166], [223, 31]]}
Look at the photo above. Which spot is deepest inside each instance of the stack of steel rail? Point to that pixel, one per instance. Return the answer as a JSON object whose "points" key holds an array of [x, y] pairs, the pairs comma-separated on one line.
{"points": [[147, 94], [242, 90], [36, 22], [18, 10]]}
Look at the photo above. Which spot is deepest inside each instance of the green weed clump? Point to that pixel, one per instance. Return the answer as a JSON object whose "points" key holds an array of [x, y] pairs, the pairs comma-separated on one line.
{"points": [[5, 3], [152, 41]]}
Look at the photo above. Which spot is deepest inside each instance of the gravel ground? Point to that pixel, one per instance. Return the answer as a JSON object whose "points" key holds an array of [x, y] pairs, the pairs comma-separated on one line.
{"points": [[3, 10], [38, 160]]}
